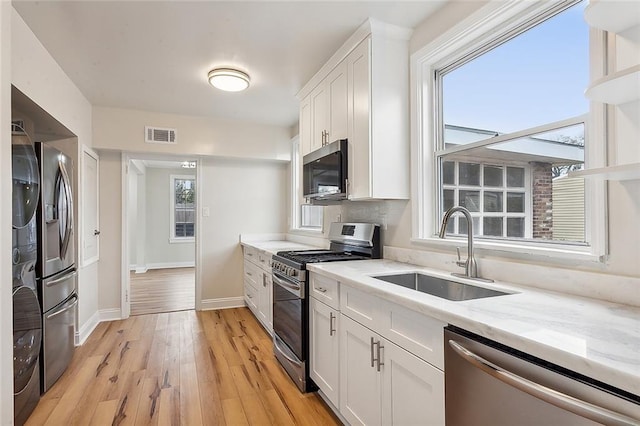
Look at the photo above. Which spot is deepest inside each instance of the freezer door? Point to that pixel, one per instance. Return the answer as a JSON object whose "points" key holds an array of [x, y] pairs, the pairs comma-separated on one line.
{"points": [[58, 343], [55, 289]]}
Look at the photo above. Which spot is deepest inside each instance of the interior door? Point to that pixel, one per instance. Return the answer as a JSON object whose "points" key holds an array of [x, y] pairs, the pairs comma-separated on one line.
{"points": [[90, 197]]}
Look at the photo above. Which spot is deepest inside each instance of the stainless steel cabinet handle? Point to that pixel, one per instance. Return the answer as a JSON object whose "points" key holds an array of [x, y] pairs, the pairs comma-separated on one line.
{"points": [[380, 347], [264, 280], [250, 274], [331, 319], [554, 397], [372, 357], [55, 314], [321, 289], [61, 279]]}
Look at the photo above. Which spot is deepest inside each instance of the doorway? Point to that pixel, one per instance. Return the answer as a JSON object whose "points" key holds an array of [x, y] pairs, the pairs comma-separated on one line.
{"points": [[162, 232]]}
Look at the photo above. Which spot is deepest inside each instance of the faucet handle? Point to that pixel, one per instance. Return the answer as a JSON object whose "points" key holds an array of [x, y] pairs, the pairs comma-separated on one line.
{"points": [[459, 262]]}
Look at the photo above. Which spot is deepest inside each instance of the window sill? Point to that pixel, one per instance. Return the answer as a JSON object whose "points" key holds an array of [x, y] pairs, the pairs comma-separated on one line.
{"points": [[307, 231], [182, 240], [549, 253]]}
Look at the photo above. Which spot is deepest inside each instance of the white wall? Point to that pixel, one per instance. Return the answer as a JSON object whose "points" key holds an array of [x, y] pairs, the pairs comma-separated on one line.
{"points": [[158, 250], [109, 268], [244, 197], [123, 130], [6, 310]]}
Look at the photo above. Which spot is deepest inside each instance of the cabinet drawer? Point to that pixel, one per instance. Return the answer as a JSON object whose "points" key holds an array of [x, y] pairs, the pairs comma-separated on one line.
{"points": [[250, 254], [360, 306], [264, 260], [251, 298], [325, 290], [419, 334], [252, 273]]}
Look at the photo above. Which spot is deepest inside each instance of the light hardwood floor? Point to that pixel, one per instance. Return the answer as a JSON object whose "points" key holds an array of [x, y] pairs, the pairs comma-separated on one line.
{"points": [[163, 290], [179, 368]]}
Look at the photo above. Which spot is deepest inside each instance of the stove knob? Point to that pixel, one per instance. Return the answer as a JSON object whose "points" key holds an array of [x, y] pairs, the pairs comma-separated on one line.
{"points": [[290, 271], [294, 272]]}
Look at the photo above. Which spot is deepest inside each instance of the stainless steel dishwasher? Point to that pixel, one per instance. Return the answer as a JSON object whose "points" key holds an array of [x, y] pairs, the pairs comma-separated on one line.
{"points": [[487, 383]]}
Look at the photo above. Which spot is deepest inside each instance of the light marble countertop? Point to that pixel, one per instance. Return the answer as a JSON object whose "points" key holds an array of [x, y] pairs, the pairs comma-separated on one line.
{"points": [[598, 339], [274, 246]]}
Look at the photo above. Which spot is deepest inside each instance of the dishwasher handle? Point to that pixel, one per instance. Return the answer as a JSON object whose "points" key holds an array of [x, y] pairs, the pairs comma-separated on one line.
{"points": [[559, 399]]}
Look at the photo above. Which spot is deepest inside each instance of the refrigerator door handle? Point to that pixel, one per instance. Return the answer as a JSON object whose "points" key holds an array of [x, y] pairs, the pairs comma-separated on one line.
{"points": [[61, 279], [66, 183], [72, 305], [554, 397]]}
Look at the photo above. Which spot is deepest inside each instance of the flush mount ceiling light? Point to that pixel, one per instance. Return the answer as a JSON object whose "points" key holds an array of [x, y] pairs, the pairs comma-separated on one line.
{"points": [[228, 79]]}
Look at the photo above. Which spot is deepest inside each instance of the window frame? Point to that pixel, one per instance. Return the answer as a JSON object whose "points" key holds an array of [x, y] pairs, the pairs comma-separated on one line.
{"points": [[507, 19], [173, 239], [296, 192]]}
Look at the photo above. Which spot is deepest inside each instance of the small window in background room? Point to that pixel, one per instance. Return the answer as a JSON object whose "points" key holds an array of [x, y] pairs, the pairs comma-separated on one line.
{"points": [[511, 121], [304, 216], [183, 193]]}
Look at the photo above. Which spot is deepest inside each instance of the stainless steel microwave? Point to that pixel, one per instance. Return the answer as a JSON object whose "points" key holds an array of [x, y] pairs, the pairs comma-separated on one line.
{"points": [[324, 172]]}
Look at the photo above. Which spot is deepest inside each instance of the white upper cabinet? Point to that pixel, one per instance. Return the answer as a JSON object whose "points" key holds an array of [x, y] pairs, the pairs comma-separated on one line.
{"points": [[362, 94], [323, 113]]}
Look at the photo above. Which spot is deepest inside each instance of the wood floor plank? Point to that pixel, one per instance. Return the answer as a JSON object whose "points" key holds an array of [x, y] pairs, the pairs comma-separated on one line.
{"points": [[162, 290], [180, 368], [234, 412], [104, 413]]}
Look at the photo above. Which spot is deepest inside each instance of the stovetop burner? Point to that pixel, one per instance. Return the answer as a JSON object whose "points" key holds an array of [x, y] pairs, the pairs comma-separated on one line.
{"points": [[316, 256]]}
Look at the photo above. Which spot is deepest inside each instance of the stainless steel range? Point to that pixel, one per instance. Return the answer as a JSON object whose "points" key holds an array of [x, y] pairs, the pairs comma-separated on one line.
{"points": [[349, 241]]}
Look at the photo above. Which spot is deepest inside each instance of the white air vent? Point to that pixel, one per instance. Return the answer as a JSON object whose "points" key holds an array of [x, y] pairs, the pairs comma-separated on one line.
{"points": [[159, 135]]}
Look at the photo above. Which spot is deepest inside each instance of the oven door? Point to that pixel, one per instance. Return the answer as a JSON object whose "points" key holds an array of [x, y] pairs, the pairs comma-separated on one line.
{"points": [[288, 312]]}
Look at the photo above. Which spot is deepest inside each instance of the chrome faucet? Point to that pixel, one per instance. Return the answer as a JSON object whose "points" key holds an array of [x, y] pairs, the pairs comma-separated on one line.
{"points": [[470, 266]]}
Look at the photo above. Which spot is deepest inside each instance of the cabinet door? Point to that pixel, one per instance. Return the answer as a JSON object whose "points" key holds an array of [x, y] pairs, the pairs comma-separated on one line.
{"points": [[306, 131], [360, 383], [264, 302], [359, 72], [413, 390], [319, 115], [324, 349], [338, 103]]}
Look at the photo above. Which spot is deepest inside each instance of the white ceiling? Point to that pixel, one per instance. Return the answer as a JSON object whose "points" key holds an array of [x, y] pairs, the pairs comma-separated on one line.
{"points": [[155, 56]]}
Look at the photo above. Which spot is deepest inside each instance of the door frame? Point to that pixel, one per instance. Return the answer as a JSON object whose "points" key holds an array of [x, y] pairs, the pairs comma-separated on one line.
{"points": [[83, 191], [125, 299]]}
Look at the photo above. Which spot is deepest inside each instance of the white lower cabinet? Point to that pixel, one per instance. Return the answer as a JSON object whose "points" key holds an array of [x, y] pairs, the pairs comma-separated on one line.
{"points": [[324, 349], [258, 288], [383, 383]]}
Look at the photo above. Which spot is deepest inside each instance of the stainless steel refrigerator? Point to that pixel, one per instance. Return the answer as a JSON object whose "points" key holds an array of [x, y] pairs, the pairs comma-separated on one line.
{"points": [[56, 270]]}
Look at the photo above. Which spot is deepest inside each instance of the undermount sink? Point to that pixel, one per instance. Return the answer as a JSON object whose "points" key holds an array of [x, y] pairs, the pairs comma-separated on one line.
{"points": [[440, 287]]}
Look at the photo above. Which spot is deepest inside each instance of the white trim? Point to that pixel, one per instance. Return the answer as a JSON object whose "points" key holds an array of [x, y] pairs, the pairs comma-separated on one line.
{"points": [[111, 314], [466, 36], [83, 191], [222, 303], [125, 306], [87, 328], [198, 237], [172, 206], [170, 265]]}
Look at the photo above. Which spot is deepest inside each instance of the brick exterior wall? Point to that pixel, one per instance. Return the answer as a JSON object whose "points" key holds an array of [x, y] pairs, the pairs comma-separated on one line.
{"points": [[542, 194]]}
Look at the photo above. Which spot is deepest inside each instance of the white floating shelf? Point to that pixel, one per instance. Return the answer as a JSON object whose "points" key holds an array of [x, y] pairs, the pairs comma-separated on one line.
{"points": [[615, 16], [621, 172], [616, 88]]}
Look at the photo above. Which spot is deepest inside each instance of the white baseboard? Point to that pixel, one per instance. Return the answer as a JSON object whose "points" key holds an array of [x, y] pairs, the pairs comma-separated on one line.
{"points": [[87, 328], [100, 316], [222, 303], [110, 314], [141, 270], [167, 265]]}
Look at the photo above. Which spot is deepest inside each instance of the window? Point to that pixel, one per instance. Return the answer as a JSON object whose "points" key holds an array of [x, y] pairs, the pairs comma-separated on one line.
{"points": [[183, 195], [503, 120], [303, 216]]}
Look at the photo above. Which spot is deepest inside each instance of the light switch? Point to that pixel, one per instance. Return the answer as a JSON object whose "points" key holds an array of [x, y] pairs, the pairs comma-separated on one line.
{"points": [[206, 212]]}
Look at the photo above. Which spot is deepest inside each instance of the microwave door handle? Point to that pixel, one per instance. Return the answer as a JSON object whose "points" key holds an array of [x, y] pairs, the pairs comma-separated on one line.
{"points": [[551, 396]]}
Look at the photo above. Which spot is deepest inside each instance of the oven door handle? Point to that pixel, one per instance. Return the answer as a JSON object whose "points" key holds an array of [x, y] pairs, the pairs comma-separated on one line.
{"points": [[292, 288]]}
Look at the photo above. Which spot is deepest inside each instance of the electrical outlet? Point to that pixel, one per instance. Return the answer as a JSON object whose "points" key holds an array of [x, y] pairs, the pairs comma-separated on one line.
{"points": [[206, 212]]}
